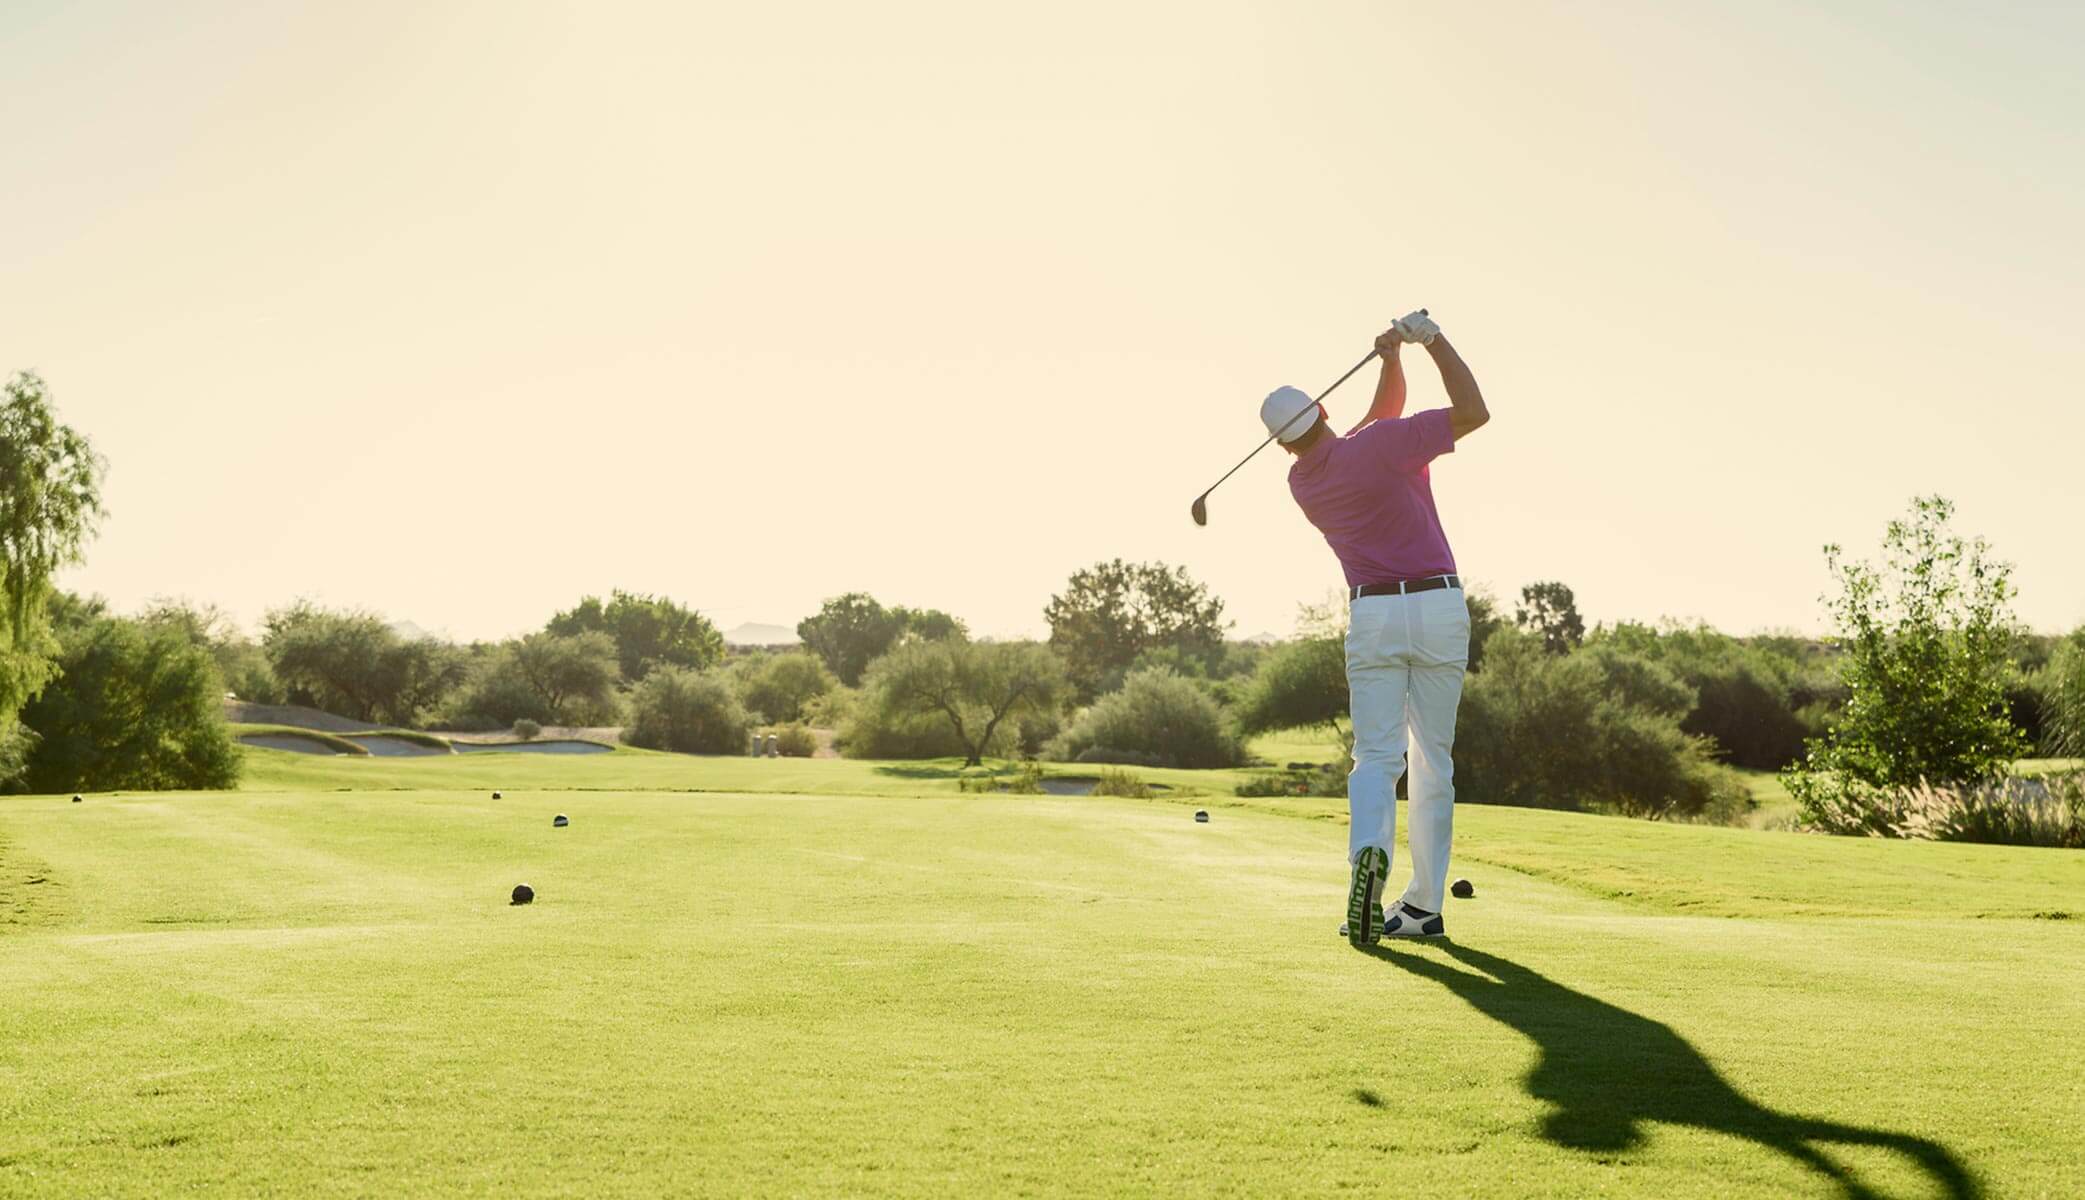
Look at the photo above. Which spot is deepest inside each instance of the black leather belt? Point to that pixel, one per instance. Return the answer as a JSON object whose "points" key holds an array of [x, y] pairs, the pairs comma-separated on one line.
{"points": [[1405, 587]]}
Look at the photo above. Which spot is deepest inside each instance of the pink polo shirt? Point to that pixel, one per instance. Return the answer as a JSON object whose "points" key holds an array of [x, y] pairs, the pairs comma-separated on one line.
{"points": [[1368, 493]]}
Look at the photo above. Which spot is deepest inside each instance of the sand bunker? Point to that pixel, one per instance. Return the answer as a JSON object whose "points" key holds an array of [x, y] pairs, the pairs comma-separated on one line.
{"points": [[393, 747], [546, 746], [287, 741]]}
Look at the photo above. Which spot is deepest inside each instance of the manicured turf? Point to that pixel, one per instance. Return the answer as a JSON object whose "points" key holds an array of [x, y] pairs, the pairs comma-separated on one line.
{"points": [[315, 992]]}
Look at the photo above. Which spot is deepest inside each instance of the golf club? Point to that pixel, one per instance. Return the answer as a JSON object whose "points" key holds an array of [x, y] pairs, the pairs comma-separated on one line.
{"points": [[1201, 504]]}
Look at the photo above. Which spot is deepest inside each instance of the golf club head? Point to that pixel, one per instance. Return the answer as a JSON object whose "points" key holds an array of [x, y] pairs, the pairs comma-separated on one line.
{"points": [[1201, 509]]}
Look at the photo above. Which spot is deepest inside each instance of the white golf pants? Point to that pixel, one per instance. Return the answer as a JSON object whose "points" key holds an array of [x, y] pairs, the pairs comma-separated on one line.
{"points": [[1405, 660]]}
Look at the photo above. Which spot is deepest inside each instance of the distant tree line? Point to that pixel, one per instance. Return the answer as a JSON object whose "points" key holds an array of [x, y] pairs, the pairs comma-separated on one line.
{"points": [[1927, 683]]}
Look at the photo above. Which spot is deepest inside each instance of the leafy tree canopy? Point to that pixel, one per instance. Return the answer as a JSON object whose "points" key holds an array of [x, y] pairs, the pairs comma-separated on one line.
{"points": [[50, 500], [1549, 610], [849, 632], [648, 631], [974, 687], [1111, 612], [356, 665], [135, 706], [1927, 632]]}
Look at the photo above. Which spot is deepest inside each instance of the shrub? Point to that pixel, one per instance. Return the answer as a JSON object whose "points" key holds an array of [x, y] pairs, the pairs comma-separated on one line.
{"points": [[831, 710], [795, 741], [688, 711], [779, 686], [2045, 811], [1121, 783], [952, 697], [1746, 694], [1300, 683], [1127, 758], [527, 730], [133, 707], [1543, 731], [644, 631], [1025, 780], [1316, 781], [1037, 729], [355, 664], [2062, 688], [1158, 716], [1928, 640], [552, 679]]}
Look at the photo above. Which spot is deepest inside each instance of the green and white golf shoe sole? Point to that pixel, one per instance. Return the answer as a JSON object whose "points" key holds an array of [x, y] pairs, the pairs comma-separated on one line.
{"points": [[1371, 868]]}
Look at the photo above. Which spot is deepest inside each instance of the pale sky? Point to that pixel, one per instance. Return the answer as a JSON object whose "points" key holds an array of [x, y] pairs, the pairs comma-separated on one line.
{"points": [[459, 311]]}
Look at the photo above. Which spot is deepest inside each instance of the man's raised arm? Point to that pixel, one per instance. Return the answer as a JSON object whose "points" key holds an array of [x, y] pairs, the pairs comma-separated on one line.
{"points": [[1468, 413], [1389, 401]]}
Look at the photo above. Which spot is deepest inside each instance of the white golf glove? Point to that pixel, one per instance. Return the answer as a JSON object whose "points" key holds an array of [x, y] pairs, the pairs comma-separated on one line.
{"points": [[1416, 327]]}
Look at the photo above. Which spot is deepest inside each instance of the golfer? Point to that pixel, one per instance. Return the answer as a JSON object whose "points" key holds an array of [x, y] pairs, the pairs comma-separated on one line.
{"points": [[1408, 630]]}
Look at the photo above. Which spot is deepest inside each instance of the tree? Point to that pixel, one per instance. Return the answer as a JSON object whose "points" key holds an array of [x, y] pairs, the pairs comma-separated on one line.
{"points": [[353, 664], [931, 624], [1484, 621], [1111, 612], [240, 662], [1927, 634], [134, 706], [692, 712], [50, 500], [974, 688], [777, 686], [849, 632], [575, 676], [1299, 683], [648, 631], [1744, 690], [1549, 609]]}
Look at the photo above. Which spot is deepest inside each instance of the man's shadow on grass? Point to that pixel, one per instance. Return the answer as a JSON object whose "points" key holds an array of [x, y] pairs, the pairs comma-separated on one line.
{"points": [[1607, 1071]]}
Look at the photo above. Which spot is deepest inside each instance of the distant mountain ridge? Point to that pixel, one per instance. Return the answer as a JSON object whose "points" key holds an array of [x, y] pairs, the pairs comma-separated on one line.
{"points": [[753, 633]]}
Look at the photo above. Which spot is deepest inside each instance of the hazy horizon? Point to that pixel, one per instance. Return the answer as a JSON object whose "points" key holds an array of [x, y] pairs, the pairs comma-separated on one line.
{"points": [[460, 312]]}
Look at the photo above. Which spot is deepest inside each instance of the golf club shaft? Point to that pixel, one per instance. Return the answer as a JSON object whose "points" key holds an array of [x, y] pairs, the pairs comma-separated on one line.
{"points": [[1292, 420]]}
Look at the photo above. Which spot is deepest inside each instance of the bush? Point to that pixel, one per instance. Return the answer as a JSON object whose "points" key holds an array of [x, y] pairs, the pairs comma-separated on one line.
{"points": [[1319, 781], [1746, 694], [356, 665], [1036, 731], [1026, 780], [688, 711], [1928, 640], [875, 728], [1542, 730], [527, 730], [927, 699], [1121, 783], [1161, 718], [779, 686], [795, 741], [1300, 683], [831, 710], [2046, 811], [2062, 688], [133, 707], [552, 679]]}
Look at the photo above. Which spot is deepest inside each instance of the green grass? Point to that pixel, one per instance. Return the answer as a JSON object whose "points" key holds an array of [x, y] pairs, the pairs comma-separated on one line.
{"points": [[903, 990], [1284, 746]]}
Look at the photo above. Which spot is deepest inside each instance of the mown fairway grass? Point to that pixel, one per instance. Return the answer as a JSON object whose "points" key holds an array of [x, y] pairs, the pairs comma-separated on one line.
{"points": [[296, 990]]}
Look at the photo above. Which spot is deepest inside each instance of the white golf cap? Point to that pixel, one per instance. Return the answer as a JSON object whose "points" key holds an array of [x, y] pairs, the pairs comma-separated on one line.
{"points": [[1281, 413]]}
